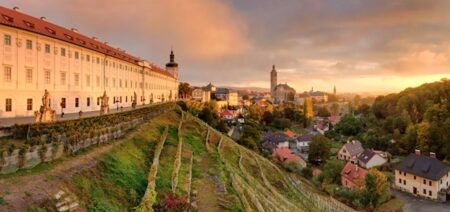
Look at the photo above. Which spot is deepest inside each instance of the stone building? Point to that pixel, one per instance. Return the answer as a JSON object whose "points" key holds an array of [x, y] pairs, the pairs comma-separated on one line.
{"points": [[280, 92], [75, 69]]}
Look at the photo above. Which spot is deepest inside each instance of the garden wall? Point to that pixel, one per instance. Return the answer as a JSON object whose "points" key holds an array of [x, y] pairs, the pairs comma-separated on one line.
{"points": [[49, 142]]}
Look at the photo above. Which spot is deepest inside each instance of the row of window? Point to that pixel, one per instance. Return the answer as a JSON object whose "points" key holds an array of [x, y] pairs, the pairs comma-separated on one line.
{"points": [[9, 106], [47, 76], [7, 41]]}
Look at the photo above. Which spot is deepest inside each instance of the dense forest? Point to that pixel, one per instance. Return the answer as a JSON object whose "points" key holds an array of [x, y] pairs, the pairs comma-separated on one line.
{"points": [[416, 118]]}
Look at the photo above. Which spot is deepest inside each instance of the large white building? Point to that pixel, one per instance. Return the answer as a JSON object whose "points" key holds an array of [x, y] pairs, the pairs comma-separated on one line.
{"points": [[36, 55]]}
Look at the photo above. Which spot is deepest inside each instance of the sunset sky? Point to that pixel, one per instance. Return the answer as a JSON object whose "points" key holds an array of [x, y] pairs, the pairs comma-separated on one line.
{"points": [[357, 45]]}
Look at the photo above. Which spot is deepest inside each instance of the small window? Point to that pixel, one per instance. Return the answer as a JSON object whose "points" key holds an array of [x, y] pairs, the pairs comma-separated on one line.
{"points": [[47, 48], [430, 193], [404, 182], [98, 100], [77, 102], [77, 55], [29, 44], [120, 99], [63, 103], [8, 105], [29, 75], [98, 60], [29, 104], [63, 52], [51, 31], [63, 78], [76, 78], [8, 18], [7, 74], [400, 181], [47, 76], [7, 40], [98, 81], [88, 58], [430, 183], [88, 102], [29, 24], [88, 80], [424, 191], [424, 182], [414, 177]]}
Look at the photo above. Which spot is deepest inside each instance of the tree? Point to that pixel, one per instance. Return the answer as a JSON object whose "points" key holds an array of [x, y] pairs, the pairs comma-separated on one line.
{"points": [[281, 123], [245, 97], [206, 115], [349, 126], [184, 90], [332, 171], [267, 117], [335, 109], [250, 136], [308, 111], [423, 142], [319, 149], [323, 112], [369, 196]]}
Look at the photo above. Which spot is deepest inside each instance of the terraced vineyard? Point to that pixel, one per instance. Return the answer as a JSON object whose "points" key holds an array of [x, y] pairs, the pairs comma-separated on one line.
{"points": [[178, 155]]}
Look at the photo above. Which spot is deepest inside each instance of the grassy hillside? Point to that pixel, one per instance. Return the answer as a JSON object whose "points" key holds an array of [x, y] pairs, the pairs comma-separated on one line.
{"points": [[196, 165]]}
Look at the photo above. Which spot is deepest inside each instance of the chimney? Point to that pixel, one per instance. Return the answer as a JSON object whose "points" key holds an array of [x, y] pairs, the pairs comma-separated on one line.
{"points": [[74, 30], [94, 38], [16, 8], [43, 18], [417, 151], [432, 154]]}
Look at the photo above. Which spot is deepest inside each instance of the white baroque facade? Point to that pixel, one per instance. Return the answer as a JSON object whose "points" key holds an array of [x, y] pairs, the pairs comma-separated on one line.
{"points": [[36, 55]]}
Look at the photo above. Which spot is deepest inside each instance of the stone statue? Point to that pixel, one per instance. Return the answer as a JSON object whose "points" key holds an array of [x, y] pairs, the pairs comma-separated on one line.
{"points": [[45, 113], [134, 100], [104, 107]]}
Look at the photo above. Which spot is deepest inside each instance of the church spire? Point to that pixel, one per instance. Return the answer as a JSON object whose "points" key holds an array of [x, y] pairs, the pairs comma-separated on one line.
{"points": [[172, 56]]}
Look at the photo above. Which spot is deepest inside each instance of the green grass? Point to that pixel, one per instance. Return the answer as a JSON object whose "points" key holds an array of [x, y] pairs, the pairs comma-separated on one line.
{"points": [[392, 205], [119, 180], [165, 169]]}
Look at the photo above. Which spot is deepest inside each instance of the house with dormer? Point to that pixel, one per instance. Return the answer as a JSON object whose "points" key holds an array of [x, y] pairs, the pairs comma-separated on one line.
{"points": [[350, 151], [424, 176]]}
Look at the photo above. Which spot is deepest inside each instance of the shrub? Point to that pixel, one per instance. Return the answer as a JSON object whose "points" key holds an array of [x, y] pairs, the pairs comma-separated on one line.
{"points": [[291, 166], [307, 172]]}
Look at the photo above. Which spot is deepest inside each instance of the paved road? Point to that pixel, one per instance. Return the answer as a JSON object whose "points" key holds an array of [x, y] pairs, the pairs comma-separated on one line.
{"points": [[415, 204]]}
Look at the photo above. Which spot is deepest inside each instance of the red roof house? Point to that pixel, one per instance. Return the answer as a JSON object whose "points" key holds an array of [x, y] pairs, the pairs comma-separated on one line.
{"points": [[289, 133], [353, 176], [284, 154], [227, 114]]}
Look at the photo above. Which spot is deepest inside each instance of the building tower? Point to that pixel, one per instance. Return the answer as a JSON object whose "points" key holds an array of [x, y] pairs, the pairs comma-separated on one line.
{"points": [[172, 66], [334, 90], [273, 80]]}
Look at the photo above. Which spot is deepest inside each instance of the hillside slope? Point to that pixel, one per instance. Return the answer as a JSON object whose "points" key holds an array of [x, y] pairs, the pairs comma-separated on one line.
{"points": [[176, 157]]}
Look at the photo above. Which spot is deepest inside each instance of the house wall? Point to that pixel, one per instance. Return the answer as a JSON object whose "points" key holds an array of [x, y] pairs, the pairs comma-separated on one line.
{"points": [[406, 182], [80, 73], [283, 144], [350, 184], [376, 160]]}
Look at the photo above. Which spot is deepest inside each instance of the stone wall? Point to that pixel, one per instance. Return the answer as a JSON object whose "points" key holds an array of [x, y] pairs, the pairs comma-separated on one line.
{"points": [[11, 162]]}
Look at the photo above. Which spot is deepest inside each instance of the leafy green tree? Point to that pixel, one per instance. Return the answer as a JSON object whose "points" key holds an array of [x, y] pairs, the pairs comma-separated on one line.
{"points": [[282, 123], [369, 196], [267, 117], [250, 136], [423, 142], [319, 149], [349, 125], [332, 171], [206, 115], [323, 112]]}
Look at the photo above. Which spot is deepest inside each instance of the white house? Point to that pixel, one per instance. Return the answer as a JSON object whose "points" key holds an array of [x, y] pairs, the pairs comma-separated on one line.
{"points": [[371, 158]]}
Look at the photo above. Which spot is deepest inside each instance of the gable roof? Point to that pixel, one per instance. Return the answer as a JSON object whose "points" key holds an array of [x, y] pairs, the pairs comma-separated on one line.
{"points": [[289, 133], [226, 112], [354, 147], [271, 140], [368, 154], [353, 173], [304, 138], [285, 154], [28, 23], [423, 166]]}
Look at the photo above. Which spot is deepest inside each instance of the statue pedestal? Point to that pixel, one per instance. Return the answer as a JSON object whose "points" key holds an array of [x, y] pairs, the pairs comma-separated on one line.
{"points": [[48, 115], [104, 109]]}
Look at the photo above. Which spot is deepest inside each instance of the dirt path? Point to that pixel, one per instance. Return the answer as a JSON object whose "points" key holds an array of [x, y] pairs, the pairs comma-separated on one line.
{"points": [[207, 196], [21, 192]]}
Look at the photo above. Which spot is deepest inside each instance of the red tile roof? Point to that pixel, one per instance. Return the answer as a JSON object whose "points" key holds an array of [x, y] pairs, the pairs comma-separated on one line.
{"points": [[289, 133], [226, 112], [353, 173], [285, 154], [16, 19]]}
